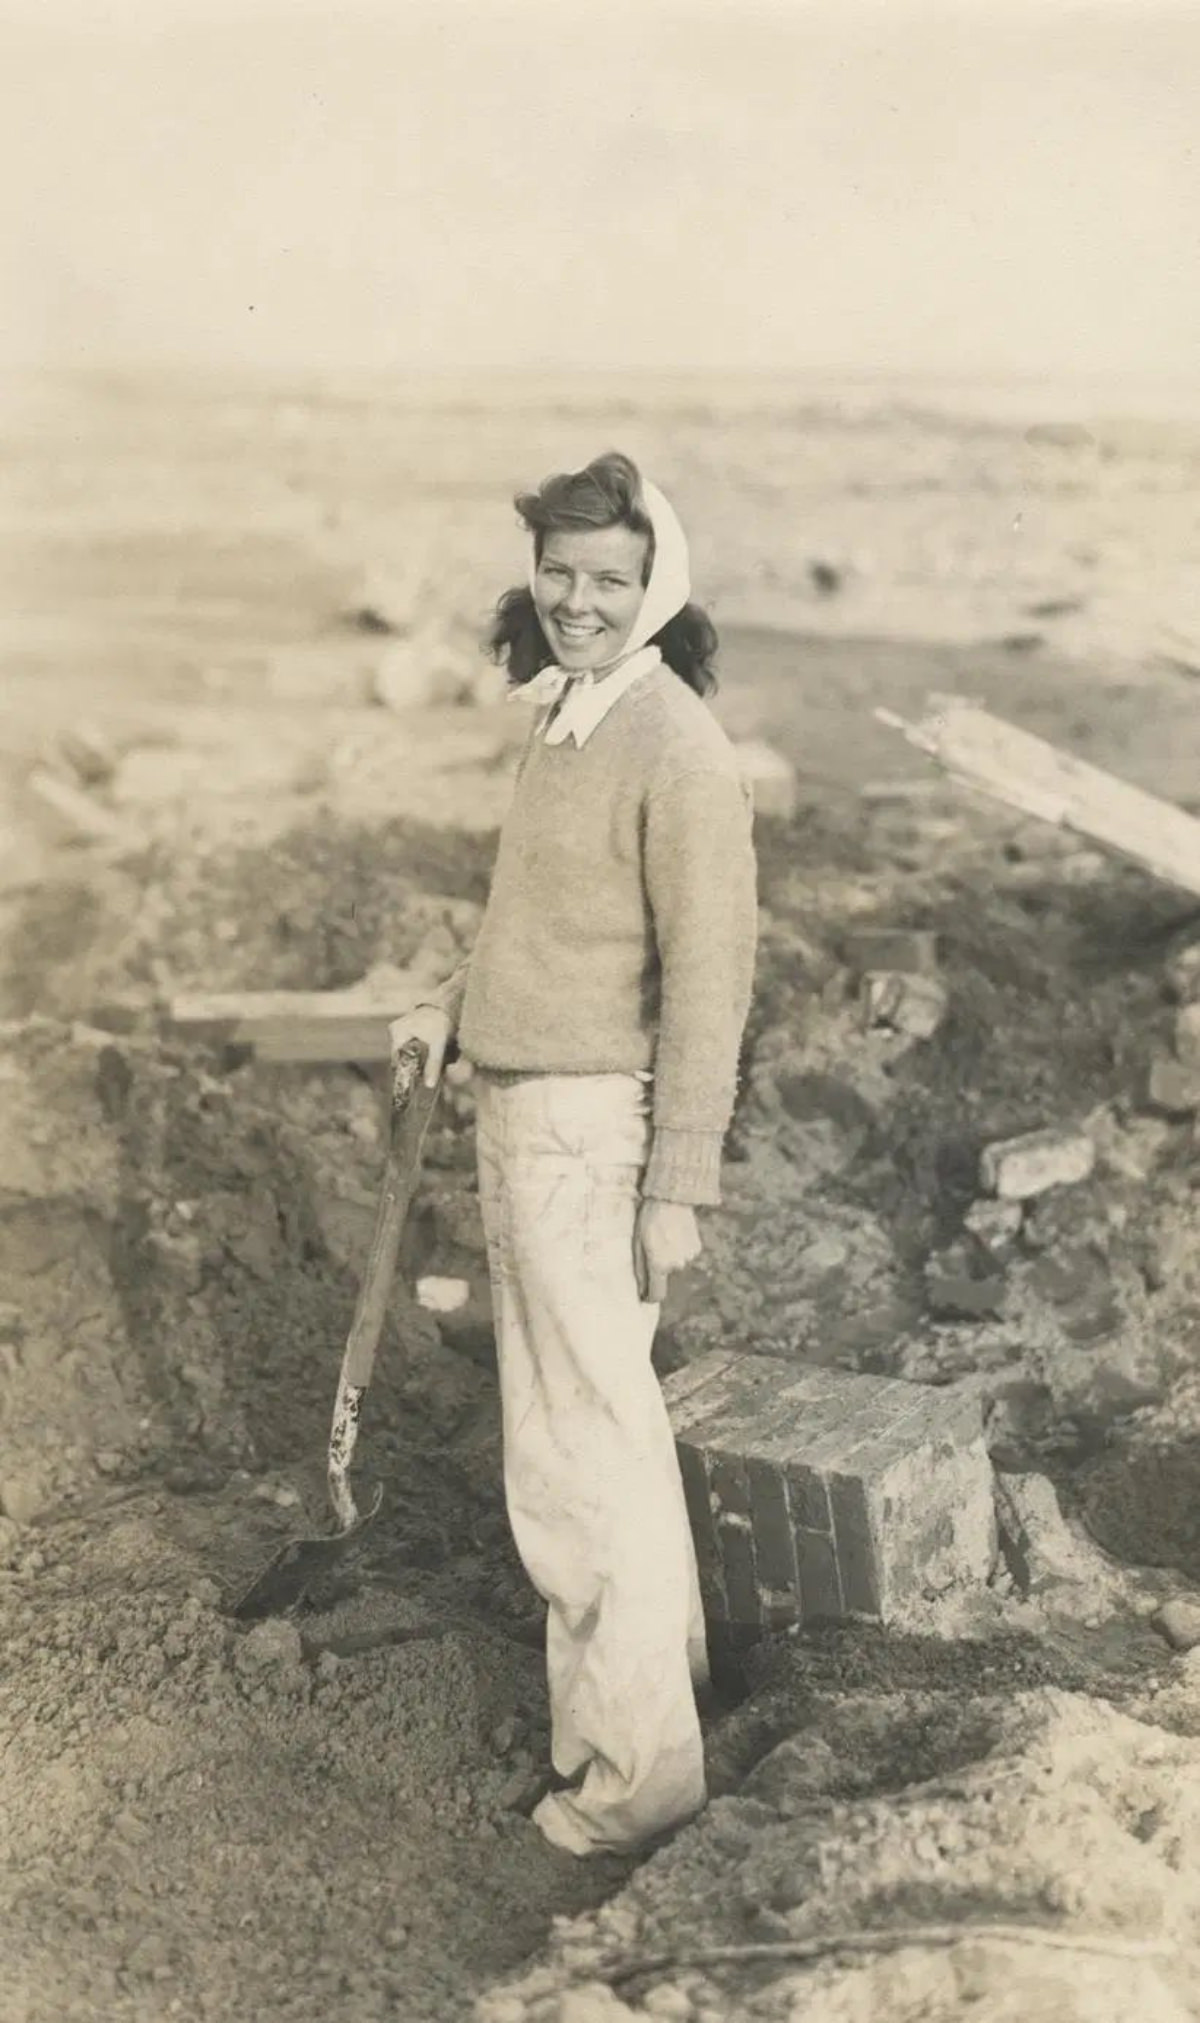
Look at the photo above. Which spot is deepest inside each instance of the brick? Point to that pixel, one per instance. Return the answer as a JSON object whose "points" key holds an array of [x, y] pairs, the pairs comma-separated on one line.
{"points": [[689, 1385], [1179, 1622], [818, 1493], [1018, 1168], [735, 1536], [995, 1223], [820, 1585], [704, 1532], [770, 777], [774, 1532], [907, 951], [915, 1005], [1187, 1035], [1174, 1086], [855, 1543]]}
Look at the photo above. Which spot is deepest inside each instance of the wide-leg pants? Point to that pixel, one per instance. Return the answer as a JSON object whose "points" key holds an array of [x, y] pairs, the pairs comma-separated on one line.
{"points": [[591, 1476]]}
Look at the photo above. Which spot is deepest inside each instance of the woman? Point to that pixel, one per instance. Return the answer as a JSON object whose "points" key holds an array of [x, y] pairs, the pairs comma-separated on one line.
{"points": [[603, 1006]]}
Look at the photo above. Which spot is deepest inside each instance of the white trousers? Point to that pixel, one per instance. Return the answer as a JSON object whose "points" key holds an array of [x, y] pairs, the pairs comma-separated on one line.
{"points": [[590, 1471]]}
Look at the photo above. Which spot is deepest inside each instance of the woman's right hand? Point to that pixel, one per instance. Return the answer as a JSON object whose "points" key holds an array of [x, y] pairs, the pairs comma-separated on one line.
{"points": [[429, 1024]]}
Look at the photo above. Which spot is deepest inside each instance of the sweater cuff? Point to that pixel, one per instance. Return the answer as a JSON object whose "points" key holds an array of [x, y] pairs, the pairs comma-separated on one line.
{"points": [[684, 1166]]}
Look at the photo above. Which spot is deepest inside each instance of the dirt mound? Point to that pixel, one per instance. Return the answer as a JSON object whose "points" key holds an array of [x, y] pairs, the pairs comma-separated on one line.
{"points": [[197, 1817], [1058, 1819], [181, 1250]]}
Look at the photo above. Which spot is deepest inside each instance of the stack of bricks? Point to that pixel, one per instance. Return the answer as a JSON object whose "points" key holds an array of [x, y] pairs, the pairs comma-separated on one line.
{"points": [[814, 1494]]}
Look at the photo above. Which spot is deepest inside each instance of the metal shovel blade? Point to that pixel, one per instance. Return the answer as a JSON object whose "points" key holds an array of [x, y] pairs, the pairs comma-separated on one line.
{"points": [[283, 1582]]}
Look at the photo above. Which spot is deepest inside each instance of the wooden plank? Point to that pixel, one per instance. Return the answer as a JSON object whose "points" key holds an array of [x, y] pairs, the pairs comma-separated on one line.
{"points": [[282, 1026], [1027, 773], [77, 811]]}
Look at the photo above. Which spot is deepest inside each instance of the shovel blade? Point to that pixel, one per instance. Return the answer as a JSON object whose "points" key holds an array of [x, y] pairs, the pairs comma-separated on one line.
{"points": [[283, 1582]]}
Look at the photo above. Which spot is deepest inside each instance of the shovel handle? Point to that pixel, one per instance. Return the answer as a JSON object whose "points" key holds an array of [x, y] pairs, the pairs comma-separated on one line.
{"points": [[411, 1108]]}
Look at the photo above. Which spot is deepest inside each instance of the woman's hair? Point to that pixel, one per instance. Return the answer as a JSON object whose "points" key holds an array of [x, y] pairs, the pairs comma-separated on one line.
{"points": [[606, 493]]}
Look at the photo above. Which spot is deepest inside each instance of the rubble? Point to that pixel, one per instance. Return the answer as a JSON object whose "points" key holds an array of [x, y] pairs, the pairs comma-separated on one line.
{"points": [[1173, 1086], [995, 1223], [1179, 1621], [911, 1004], [443, 1295], [1016, 1169]]}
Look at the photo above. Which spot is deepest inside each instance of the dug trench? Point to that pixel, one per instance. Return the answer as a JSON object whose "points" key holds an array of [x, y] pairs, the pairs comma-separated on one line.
{"points": [[326, 1813]]}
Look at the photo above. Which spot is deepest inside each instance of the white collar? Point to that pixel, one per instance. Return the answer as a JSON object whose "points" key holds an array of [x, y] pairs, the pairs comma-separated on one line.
{"points": [[585, 701]]}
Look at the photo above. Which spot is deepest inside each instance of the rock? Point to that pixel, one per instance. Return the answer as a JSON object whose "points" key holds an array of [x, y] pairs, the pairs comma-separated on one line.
{"points": [[88, 753], [504, 1734], [915, 1005], [995, 1223], [1179, 1621], [1173, 1086], [1018, 1168], [443, 1295], [502, 2009], [591, 2002], [905, 951], [1183, 968], [273, 1643], [770, 777], [419, 673], [404, 680], [22, 1493], [668, 2002], [1055, 1556]]}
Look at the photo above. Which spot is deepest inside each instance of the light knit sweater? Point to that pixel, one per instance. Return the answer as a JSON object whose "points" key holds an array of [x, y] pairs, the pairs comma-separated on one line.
{"points": [[620, 929]]}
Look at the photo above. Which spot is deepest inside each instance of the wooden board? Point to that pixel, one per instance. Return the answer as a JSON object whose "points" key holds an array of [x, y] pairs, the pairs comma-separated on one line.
{"points": [[1028, 774], [282, 1025]]}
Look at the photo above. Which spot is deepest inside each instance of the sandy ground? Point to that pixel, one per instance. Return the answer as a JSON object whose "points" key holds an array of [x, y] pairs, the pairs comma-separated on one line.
{"points": [[325, 1813]]}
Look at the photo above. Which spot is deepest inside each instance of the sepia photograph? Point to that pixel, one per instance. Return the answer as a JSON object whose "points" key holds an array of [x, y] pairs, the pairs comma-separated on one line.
{"points": [[600, 1011]]}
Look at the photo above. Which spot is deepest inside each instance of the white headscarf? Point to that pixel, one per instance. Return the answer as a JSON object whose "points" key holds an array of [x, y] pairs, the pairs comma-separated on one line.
{"points": [[667, 592]]}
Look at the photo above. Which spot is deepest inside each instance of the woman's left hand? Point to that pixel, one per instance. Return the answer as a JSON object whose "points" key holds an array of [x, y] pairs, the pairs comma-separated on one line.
{"points": [[665, 1239]]}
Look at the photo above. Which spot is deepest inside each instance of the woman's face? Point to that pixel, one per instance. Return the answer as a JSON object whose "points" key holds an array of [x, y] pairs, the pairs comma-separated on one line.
{"points": [[588, 590]]}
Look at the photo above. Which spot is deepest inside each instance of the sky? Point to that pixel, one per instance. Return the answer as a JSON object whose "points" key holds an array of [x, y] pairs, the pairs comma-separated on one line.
{"points": [[861, 186]]}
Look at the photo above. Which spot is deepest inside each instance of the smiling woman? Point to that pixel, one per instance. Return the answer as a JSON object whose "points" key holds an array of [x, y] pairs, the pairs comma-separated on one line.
{"points": [[588, 589], [603, 1006], [608, 551]]}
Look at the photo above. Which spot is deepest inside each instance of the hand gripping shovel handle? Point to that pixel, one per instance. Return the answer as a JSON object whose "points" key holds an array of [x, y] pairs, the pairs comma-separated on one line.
{"points": [[411, 1108]]}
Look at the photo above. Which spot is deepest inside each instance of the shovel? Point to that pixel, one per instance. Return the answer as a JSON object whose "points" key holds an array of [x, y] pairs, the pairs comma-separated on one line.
{"points": [[283, 1581]]}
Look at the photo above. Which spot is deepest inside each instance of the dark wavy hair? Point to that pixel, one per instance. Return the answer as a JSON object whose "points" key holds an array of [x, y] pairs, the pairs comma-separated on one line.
{"points": [[606, 493]]}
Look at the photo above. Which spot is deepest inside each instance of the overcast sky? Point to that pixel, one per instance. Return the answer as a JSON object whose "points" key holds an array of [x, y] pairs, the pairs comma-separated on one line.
{"points": [[992, 186]]}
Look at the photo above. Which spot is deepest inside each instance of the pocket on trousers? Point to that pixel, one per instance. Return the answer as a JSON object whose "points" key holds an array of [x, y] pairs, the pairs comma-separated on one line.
{"points": [[613, 1194], [547, 1210]]}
